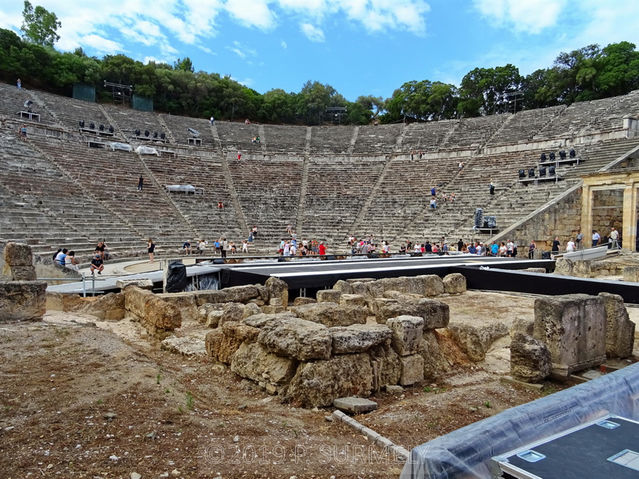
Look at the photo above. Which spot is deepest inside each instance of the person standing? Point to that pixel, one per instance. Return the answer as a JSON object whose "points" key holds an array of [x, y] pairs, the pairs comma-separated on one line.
{"points": [[140, 183], [151, 249], [579, 240], [322, 249], [531, 249], [19, 84], [595, 238], [614, 238], [555, 245], [570, 246], [491, 188]]}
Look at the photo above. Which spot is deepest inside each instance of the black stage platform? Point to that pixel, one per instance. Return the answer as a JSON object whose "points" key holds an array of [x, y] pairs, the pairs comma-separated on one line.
{"points": [[499, 274]]}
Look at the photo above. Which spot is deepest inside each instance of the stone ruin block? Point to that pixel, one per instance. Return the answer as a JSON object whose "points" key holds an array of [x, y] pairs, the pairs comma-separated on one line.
{"points": [[328, 296], [412, 368], [277, 291], [18, 262], [253, 362], [318, 383], [156, 315], [475, 339], [299, 301], [631, 273], [573, 327], [185, 302], [386, 366], [223, 342], [140, 283], [435, 362], [433, 284], [296, 338], [343, 286], [434, 313], [234, 294], [407, 332], [454, 283], [620, 331], [529, 358], [359, 337], [22, 300], [331, 314], [353, 300]]}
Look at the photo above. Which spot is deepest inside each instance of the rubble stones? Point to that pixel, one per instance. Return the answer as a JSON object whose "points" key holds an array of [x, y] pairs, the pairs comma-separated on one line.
{"points": [[108, 307], [407, 332], [435, 362], [234, 294], [454, 283], [620, 331], [22, 300], [358, 338], [259, 320], [529, 359], [296, 338], [222, 343], [155, 314], [343, 286], [318, 383]]}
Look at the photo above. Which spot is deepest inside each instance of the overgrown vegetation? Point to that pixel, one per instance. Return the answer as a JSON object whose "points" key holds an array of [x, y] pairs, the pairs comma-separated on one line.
{"points": [[588, 73]]}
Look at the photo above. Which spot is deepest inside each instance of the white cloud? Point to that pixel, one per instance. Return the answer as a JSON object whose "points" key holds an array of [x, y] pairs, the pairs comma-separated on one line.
{"points": [[101, 44], [313, 33], [241, 51], [283, 44], [530, 16], [252, 13]]}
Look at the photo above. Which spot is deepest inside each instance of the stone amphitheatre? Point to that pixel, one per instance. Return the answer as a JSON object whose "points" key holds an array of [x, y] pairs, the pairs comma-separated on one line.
{"points": [[248, 380]]}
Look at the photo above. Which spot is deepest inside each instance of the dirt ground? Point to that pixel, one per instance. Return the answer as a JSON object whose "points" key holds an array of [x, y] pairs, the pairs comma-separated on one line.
{"points": [[87, 399]]}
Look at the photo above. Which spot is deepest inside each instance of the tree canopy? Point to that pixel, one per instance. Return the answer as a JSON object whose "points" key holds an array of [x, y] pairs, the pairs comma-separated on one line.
{"points": [[40, 26], [588, 73]]}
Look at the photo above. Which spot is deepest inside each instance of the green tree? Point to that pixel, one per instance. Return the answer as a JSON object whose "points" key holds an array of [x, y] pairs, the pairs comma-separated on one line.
{"points": [[185, 65], [39, 26]]}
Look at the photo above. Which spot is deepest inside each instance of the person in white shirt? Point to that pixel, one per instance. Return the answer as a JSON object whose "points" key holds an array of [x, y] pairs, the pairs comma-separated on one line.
{"points": [[614, 238], [570, 246]]}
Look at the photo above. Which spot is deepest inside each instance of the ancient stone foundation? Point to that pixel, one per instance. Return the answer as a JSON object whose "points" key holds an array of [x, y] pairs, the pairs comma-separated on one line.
{"points": [[353, 340]]}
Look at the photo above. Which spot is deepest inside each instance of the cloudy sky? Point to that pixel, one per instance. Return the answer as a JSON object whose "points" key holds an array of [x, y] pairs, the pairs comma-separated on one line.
{"points": [[359, 47]]}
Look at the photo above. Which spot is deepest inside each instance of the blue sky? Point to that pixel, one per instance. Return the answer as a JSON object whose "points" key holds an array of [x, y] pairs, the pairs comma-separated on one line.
{"points": [[359, 47]]}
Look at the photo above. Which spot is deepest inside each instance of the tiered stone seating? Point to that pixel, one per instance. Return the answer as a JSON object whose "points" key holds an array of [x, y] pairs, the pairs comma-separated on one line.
{"points": [[377, 138], [404, 193], [598, 155], [611, 117], [473, 132], [269, 192], [201, 210], [179, 126], [130, 120], [112, 177], [285, 139], [587, 117], [12, 101], [336, 191], [238, 136], [471, 188], [57, 212], [70, 111], [331, 139], [524, 125], [426, 137]]}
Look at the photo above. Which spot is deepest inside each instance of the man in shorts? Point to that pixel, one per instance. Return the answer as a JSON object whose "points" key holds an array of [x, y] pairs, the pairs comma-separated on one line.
{"points": [[97, 263]]}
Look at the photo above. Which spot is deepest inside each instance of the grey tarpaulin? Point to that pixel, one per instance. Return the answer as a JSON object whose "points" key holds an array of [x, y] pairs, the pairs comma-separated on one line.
{"points": [[466, 453]]}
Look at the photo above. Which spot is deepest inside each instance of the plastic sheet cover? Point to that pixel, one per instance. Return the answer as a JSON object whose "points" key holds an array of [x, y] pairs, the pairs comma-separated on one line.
{"points": [[466, 453], [120, 146], [146, 150]]}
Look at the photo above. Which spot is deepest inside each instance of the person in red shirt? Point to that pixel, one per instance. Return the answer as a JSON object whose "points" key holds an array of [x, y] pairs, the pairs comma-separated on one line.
{"points": [[322, 249]]}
